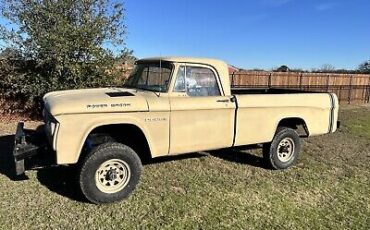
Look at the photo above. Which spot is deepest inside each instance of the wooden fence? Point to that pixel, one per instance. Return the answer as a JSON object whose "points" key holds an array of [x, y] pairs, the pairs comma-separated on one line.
{"points": [[350, 88]]}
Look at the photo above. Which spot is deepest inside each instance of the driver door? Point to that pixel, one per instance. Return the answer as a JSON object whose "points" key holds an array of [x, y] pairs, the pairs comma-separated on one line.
{"points": [[201, 117]]}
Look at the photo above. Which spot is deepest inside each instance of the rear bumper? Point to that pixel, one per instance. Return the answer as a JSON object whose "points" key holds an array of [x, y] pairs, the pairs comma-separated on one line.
{"points": [[27, 143]]}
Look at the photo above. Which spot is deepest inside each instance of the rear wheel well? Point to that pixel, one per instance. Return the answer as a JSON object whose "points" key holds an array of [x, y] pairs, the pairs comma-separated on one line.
{"points": [[126, 134], [295, 123]]}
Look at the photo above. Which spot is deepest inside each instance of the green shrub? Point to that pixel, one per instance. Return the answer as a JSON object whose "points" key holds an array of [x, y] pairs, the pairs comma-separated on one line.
{"points": [[23, 83], [57, 45]]}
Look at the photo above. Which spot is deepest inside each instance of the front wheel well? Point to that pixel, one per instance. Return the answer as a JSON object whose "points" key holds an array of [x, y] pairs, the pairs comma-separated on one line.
{"points": [[126, 134], [295, 123]]}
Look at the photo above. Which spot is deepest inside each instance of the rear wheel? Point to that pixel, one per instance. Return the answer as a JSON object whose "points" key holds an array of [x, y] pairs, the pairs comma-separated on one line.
{"points": [[109, 173], [284, 149]]}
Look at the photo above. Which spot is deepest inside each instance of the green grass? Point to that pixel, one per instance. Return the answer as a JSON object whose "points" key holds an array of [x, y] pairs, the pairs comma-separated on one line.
{"points": [[329, 188], [360, 125]]}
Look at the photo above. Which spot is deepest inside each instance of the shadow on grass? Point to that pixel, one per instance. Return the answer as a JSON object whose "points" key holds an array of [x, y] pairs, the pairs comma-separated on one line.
{"points": [[63, 179], [235, 155], [240, 156]]}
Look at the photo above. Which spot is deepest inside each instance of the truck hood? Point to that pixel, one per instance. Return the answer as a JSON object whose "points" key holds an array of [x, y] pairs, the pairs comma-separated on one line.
{"points": [[102, 100]]}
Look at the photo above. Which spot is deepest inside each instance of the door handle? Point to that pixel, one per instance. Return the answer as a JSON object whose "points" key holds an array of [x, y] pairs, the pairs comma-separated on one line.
{"points": [[223, 100]]}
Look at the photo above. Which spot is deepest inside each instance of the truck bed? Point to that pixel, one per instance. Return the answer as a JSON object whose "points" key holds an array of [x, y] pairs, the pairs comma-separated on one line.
{"points": [[259, 111]]}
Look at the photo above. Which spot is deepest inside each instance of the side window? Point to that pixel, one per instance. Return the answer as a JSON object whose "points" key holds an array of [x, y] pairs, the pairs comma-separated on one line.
{"points": [[196, 82], [180, 80]]}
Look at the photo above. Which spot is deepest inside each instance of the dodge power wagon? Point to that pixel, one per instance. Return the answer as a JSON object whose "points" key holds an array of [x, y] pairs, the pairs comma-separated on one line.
{"points": [[170, 106]]}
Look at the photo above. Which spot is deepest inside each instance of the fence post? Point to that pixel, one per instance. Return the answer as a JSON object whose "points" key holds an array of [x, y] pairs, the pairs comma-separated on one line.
{"points": [[367, 97], [327, 83], [300, 81], [350, 90], [232, 79], [269, 81]]}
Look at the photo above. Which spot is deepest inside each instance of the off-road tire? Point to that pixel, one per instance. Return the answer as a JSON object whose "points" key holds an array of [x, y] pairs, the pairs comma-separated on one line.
{"points": [[93, 161], [270, 150]]}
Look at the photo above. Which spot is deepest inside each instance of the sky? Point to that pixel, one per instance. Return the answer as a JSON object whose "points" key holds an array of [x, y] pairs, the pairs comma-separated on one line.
{"points": [[253, 34]]}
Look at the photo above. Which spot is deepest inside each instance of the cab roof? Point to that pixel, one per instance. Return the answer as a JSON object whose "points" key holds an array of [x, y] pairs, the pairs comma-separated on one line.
{"points": [[209, 61]]}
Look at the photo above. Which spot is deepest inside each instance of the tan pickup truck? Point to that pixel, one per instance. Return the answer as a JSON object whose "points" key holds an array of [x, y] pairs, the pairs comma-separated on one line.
{"points": [[171, 106]]}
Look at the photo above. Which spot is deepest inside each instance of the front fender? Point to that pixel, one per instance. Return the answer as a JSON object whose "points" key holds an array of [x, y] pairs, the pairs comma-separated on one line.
{"points": [[74, 129]]}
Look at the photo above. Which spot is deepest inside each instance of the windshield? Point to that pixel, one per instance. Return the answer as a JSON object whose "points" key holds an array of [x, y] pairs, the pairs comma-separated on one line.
{"points": [[153, 76]]}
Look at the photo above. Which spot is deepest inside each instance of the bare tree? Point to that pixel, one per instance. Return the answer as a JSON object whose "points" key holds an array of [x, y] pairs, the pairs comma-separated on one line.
{"points": [[327, 68]]}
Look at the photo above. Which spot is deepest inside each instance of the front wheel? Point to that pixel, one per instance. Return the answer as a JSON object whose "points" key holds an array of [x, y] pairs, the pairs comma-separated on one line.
{"points": [[284, 149], [109, 173]]}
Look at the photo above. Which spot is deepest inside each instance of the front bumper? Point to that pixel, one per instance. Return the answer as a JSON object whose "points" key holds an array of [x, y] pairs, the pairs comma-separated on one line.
{"points": [[27, 143]]}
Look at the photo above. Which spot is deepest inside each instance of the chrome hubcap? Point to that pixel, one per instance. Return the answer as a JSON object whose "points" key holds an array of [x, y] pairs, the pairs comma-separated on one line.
{"points": [[285, 149], [112, 176]]}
